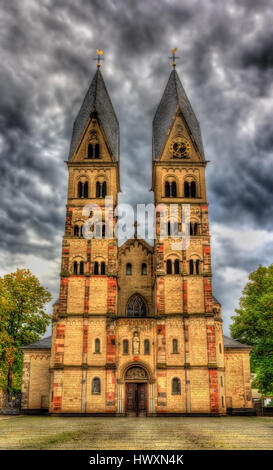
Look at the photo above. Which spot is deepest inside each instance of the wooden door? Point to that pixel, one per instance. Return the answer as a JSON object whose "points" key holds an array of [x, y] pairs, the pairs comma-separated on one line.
{"points": [[142, 398], [136, 399], [131, 397]]}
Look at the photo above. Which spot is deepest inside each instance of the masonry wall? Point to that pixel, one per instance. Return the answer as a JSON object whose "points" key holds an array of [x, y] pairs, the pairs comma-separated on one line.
{"points": [[36, 379], [237, 377]]}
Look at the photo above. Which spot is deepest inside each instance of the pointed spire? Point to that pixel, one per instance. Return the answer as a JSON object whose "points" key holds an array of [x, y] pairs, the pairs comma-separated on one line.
{"points": [[174, 95], [97, 98]]}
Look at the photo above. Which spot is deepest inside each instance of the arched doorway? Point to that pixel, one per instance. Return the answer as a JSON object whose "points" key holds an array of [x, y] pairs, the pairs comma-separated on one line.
{"points": [[136, 401]]}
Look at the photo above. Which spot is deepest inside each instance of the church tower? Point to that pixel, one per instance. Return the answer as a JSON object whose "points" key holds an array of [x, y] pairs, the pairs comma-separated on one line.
{"points": [[190, 335], [83, 344], [136, 330]]}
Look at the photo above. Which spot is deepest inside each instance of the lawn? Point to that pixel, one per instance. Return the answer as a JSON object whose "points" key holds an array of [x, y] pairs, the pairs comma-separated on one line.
{"points": [[45, 432]]}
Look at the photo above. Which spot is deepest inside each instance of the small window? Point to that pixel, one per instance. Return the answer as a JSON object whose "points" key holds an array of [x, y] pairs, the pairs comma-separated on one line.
{"points": [[125, 346], [102, 269], [146, 346], [167, 189], [97, 345], [175, 346], [103, 190], [223, 402], [222, 383], [97, 189], [97, 151], [80, 189], [96, 268], [173, 189], [75, 267], [96, 389], [90, 151], [76, 231], [85, 190], [144, 269], [176, 266], [176, 386], [169, 266], [193, 189], [197, 265], [128, 269], [103, 230], [81, 267], [220, 348], [186, 189], [191, 266]]}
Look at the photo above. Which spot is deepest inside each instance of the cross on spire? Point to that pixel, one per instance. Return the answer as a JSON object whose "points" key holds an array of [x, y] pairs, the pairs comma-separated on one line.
{"points": [[174, 57], [99, 58]]}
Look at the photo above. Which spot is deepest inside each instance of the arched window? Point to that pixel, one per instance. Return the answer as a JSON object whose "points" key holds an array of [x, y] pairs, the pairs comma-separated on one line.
{"points": [[146, 346], [76, 231], [167, 189], [176, 386], [128, 269], [103, 230], [195, 266], [175, 346], [75, 267], [85, 190], [197, 263], [173, 189], [81, 267], [190, 189], [125, 346], [96, 268], [97, 189], [191, 266], [80, 189], [169, 228], [144, 269], [96, 386], [136, 307], [81, 231], [176, 266], [97, 151], [169, 266], [193, 228], [103, 189], [102, 268], [97, 345], [90, 151]]}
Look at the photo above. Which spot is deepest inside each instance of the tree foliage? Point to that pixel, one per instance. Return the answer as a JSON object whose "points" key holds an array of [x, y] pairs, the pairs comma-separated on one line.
{"points": [[253, 325], [22, 319]]}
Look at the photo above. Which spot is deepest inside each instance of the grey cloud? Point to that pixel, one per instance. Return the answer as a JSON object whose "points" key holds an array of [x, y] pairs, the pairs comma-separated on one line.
{"points": [[225, 65]]}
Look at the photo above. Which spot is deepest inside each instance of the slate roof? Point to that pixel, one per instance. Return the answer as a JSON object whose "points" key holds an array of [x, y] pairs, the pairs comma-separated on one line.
{"points": [[230, 343], [45, 343], [97, 97], [173, 96]]}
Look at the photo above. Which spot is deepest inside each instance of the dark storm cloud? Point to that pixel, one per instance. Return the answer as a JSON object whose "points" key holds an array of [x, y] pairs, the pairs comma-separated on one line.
{"points": [[225, 65]]}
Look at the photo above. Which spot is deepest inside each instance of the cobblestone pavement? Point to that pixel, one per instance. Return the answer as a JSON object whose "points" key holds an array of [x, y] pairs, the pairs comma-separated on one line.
{"points": [[42, 432]]}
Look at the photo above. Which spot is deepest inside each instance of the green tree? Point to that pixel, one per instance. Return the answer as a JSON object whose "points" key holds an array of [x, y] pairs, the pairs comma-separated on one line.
{"points": [[253, 325], [22, 320]]}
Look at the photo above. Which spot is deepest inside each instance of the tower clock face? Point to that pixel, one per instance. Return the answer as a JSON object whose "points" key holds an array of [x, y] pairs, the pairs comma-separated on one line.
{"points": [[180, 147]]}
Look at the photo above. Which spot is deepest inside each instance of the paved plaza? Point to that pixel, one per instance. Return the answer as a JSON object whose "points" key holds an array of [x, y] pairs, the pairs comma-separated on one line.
{"points": [[45, 432]]}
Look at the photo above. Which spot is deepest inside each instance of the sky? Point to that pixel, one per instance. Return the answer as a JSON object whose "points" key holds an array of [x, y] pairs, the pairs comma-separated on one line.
{"points": [[226, 67]]}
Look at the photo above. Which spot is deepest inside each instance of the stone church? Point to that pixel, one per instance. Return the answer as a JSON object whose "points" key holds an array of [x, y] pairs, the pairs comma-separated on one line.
{"points": [[136, 329]]}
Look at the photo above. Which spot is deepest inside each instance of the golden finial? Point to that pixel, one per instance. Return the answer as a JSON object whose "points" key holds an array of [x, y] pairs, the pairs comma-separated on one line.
{"points": [[174, 57], [99, 58]]}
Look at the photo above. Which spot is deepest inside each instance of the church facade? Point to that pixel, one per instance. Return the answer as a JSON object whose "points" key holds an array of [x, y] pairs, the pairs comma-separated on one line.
{"points": [[136, 329]]}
